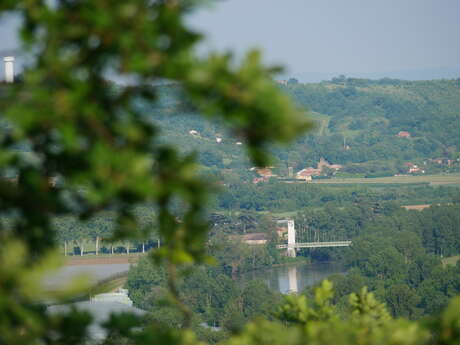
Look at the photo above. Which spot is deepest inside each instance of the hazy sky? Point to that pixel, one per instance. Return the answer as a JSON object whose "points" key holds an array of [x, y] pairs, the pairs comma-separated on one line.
{"points": [[333, 36], [340, 35]]}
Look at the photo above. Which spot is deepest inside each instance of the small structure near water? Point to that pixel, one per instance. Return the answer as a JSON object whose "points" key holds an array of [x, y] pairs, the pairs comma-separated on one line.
{"points": [[101, 307], [120, 296]]}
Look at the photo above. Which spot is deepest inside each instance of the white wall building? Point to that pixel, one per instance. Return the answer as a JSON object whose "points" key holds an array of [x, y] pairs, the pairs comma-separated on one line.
{"points": [[9, 69]]}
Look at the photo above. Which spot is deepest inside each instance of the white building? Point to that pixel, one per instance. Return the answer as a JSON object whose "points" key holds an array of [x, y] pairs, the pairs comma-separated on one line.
{"points": [[9, 69]]}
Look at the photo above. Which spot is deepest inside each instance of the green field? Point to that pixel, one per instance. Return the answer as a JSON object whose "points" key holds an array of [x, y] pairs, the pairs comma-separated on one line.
{"points": [[452, 260], [431, 179]]}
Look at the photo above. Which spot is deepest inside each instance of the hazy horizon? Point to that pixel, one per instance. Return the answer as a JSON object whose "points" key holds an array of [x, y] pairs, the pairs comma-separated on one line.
{"points": [[416, 39], [411, 39]]}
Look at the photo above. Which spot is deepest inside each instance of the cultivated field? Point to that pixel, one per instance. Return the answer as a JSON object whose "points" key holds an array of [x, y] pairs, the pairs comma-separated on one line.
{"points": [[452, 260], [431, 179], [416, 207]]}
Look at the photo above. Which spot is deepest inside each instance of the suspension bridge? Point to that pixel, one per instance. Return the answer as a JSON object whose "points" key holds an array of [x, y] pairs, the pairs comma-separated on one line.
{"points": [[292, 245]]}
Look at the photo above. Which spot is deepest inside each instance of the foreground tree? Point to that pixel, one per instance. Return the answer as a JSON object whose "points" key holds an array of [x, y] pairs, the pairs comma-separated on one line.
{"points": [[89, 134]]}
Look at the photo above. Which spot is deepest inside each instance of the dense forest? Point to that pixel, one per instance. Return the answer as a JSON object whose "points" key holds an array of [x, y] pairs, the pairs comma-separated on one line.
{"points": [[396, 253]]}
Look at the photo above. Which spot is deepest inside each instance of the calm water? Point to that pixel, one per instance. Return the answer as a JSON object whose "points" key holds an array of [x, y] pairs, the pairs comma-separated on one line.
{"points": [[285, 279], [294, 278], [94, 273]]}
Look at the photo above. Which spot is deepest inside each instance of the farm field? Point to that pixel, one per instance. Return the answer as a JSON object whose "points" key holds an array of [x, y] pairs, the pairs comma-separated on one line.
{"points": [[431, 179], [451, 260], [416, 207]]}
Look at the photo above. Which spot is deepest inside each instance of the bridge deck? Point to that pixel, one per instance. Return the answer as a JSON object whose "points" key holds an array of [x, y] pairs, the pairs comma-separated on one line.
{"points": [[315, 245]]}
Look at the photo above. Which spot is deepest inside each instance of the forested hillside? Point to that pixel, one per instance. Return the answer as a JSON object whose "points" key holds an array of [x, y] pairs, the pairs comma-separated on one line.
{"points": [[359, 119], [357, 125]]}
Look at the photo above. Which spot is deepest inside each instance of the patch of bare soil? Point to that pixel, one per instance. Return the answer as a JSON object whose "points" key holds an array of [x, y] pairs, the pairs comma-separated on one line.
{"points": [[416, 207]]}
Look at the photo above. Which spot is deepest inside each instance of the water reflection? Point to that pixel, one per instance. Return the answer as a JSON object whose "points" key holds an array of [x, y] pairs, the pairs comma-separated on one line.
{"points": [[294, 278]]}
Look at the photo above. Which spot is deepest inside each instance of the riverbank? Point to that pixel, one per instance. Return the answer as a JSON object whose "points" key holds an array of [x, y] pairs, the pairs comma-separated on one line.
{"points": [[108, 259]]}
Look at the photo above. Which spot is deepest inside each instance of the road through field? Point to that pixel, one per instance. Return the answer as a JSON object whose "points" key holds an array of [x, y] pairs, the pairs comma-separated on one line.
{"points": [[431, 179]]}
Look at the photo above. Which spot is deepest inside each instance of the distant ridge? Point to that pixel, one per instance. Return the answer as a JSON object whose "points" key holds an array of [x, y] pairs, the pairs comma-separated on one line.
{"points": [[415, 74]]}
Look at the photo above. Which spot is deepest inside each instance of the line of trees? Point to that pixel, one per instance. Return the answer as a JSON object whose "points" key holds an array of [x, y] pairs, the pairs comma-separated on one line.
{"points": [[396, 253]]}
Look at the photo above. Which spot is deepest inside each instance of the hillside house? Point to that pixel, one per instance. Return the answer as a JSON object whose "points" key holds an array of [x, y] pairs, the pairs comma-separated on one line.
{"points": [[413, 168], [403, 134], [335, 166], [257, 180], [265, 172], [325, 164], [307, 173], [252, 239]]}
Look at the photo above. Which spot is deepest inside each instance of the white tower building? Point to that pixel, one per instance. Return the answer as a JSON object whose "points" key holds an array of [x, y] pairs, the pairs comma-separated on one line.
{"points": [[291, 238], [9, 69]]}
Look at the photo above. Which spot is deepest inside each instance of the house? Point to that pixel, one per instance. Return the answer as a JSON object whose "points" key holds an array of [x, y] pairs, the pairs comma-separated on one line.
{"points": [[437, 160], [307, 173], [265, 172], [322, 163], [325, 164], [403, 134], [218, 140], [257, 180], [335, 166], [193, 132], [254, 238], [413, 168]]}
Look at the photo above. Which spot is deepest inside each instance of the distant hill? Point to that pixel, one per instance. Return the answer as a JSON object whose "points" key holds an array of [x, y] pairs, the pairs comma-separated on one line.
{"points": [[409, 74], [358, 121]]}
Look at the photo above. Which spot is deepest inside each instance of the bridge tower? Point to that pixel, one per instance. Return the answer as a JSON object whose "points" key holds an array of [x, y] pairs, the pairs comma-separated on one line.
{"points": [[291, 245], [291, 239]]}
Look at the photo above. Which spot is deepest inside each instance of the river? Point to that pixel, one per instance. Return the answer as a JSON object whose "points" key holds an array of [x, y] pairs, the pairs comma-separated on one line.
{"points": [[291, 278], [93, 274], [294, 278]]}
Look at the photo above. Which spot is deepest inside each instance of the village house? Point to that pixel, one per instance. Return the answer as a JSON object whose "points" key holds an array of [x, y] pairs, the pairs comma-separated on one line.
{"points": [[307, 173], [257, 180], [252, 239], [403, 134], [264, 174], [413, 168]]}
